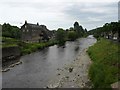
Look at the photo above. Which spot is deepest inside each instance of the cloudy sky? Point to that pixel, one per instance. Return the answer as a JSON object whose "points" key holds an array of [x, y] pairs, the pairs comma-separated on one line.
{"points": [[59, 13]]}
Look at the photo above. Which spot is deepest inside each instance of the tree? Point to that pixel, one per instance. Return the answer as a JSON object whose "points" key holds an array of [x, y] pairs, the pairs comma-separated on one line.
{"points": [[60, 36], [108, 29], [85, 30], [72, 35], [79, 29], [10, 31]]}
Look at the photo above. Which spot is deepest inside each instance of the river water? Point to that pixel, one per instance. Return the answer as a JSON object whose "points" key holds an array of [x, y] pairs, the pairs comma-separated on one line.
{"points": [[38, 68]]}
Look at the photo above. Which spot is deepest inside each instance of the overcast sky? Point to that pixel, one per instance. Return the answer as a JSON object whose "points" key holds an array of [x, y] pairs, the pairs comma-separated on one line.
{"points": [[59, 13]]}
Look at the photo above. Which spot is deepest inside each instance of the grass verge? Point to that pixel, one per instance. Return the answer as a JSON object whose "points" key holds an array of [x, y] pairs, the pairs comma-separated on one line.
{"points": [[105, 57]]}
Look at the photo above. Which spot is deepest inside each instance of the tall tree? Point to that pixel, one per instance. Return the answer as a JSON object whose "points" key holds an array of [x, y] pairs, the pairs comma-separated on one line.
{"points": [[60, 36], [10, 31], [79, 29]]}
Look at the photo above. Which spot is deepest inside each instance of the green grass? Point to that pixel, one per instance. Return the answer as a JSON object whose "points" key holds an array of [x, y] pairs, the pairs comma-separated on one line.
{"points": [[27, 48], [9, 42], [104, 69]]}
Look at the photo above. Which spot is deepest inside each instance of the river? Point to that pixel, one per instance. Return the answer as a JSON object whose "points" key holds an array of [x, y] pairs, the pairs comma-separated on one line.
{"points": [[39, 67]]}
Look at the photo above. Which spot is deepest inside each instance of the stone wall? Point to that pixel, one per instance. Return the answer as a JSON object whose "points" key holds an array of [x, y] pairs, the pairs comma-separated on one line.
{"points": [[10, 53]]}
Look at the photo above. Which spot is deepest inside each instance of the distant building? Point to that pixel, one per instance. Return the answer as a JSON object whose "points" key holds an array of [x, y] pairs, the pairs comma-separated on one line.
{"points": [[34, 33]]}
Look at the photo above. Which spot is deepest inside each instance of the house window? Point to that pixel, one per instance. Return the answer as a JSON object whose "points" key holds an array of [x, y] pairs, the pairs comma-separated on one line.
{"points": [[25, 26], [23, 30]]}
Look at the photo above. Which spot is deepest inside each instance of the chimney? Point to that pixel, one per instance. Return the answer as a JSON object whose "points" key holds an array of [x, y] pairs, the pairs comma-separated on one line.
{"points": [[37, 23], [25, 21]]}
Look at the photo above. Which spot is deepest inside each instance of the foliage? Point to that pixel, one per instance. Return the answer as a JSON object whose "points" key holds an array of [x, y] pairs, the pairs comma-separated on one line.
{"points": [[104, 69], [9, 42], [12, 34], [79, 29], [61, 36], [72, 35], [27, 48], [10, 31], [106, 29]]}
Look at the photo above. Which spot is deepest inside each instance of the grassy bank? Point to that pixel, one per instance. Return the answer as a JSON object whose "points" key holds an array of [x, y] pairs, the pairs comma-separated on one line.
{"points": [[27, 48], [104, 69], [9, 42]]}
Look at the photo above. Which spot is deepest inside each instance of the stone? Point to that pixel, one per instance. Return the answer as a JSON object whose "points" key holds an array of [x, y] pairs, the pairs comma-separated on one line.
{"points": [[5, 70], [12, 65], [67, 76], [115, 85], [19, 63], [58, 69], [58, 73], [70, 69]]}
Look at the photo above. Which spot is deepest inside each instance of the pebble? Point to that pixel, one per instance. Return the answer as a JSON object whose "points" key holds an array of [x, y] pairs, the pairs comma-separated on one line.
{"points": [[67, 76], [70, 69], [58, 73]]}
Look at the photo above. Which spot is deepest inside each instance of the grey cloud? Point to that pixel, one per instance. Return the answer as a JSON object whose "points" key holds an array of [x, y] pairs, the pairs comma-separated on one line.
{"points": [[59, 14], [109, 13]]}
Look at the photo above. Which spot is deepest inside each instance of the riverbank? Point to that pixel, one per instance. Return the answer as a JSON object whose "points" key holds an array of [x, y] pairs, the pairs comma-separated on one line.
{"points": [[104, 69], [10, 47], [27, 48], [73, 75]]}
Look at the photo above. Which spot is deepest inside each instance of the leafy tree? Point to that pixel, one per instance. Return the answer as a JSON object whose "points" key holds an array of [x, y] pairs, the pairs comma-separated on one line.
{"points": [[72, 35], [60, 36], [79, 29], [10, 31], [85, 30], [108, 29], [71, 29]]}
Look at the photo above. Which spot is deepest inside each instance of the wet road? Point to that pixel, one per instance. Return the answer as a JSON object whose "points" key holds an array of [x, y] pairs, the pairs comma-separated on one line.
{"points": [[38, 68]]}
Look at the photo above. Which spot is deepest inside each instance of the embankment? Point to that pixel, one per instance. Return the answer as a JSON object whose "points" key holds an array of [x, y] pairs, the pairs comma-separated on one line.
{"points": [[10, 54], [105, 63]]}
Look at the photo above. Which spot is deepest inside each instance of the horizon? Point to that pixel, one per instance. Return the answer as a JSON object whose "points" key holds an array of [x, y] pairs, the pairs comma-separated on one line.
{"points": [[59, 14]]}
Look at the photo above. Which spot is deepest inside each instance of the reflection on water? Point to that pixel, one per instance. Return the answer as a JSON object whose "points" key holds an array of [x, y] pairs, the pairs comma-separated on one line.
{"points": [[39, 67]]}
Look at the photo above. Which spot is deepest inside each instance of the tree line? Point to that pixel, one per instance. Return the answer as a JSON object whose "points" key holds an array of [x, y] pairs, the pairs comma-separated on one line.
{"points": [[108, 30], [70, 34], [61, 35], [10, 31]]}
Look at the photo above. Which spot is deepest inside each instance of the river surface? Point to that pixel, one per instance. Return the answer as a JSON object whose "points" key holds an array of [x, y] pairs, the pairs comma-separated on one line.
{"points": [[39, 67]]}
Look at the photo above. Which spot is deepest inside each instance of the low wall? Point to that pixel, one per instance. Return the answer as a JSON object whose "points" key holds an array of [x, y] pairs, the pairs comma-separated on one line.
{"points": [[10, 53]]}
